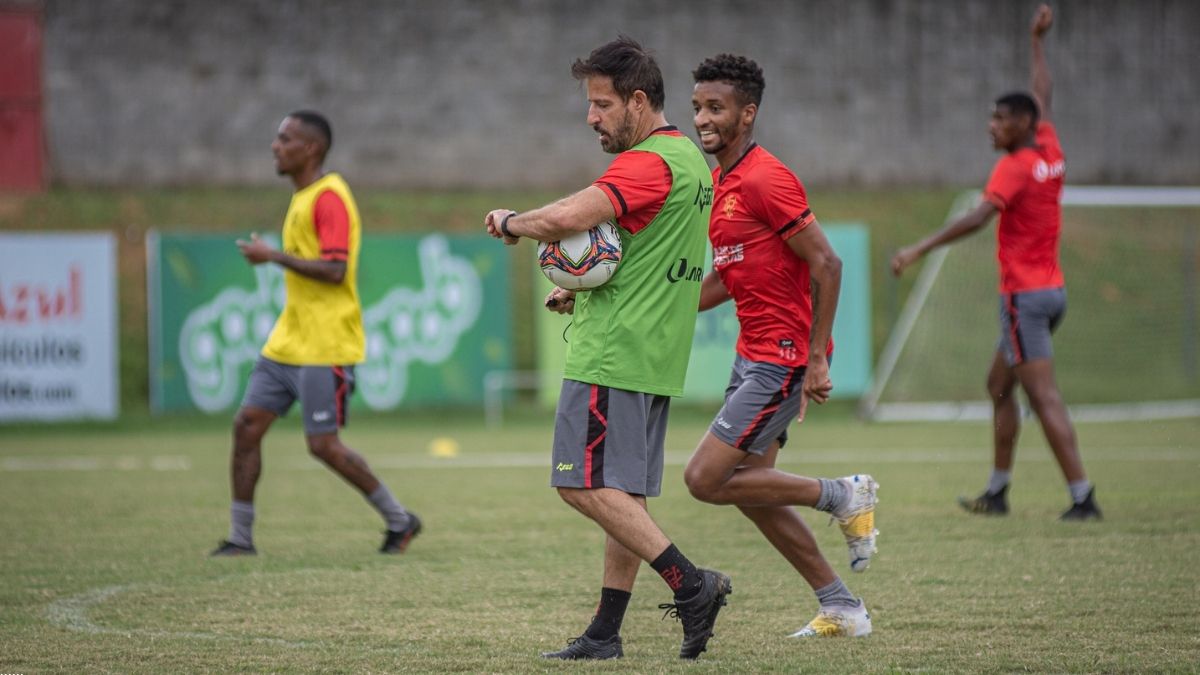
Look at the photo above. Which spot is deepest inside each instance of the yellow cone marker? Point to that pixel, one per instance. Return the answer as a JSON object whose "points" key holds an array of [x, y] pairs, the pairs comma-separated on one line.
{"points": [[443, 446]]}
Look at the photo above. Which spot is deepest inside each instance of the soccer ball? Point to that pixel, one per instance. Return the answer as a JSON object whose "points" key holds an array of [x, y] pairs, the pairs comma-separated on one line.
{"points": [[583, 260]]}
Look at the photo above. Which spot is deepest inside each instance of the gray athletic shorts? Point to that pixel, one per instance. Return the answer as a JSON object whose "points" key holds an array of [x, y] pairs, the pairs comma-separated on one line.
{"points": [[324, 392], [606, 437], [1027, 320], [761, 401]]}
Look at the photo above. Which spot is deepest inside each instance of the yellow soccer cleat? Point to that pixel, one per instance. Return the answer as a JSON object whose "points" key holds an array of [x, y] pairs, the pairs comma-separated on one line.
{"points": [[838, 622], [857, 520]]}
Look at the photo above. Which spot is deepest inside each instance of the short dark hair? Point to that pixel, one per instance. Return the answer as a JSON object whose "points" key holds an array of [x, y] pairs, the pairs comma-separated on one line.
{"points": [[1020, 103], [317, 122], [629, 65], [745, 76]]}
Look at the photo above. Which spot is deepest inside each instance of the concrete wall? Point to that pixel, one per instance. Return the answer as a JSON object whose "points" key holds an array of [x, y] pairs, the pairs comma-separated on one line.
{"points": [[456, 93]]}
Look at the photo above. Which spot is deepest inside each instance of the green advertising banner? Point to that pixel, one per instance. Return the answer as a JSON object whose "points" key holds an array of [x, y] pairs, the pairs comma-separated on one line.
{"points": [[717, 330], [436, 312]]}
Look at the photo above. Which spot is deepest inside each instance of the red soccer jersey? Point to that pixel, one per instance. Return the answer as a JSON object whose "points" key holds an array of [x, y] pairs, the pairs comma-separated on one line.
{"points": [[757, 206], [1026, 186], [637, 183]]}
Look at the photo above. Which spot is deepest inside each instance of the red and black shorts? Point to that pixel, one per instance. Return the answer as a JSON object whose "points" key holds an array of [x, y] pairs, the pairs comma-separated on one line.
{"points": [[760, 401], [609, 438], [1027, 320]]}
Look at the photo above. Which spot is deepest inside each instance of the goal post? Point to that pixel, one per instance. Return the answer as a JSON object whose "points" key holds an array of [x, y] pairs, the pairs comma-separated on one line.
{"points": [[1128, 347]]}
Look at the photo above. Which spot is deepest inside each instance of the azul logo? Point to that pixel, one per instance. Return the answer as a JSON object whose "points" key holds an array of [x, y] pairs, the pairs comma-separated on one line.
{"points": [[1043, 171], [409, 324], [704, 196], [682, 271], [564, 467], [321, 416], [26, 302], [723, 424]]}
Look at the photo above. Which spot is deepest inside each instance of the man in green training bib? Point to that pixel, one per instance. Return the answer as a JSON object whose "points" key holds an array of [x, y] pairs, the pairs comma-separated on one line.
{"points": [[631, 339]]}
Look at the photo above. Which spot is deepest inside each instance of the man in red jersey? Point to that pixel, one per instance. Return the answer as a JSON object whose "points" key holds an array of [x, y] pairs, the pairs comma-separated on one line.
{"points": [[1025, 187], [771, 257]]}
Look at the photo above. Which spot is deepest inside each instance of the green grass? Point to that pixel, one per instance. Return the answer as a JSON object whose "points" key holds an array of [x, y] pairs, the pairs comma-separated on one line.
{"points": [[106, 528], [894, 216]]}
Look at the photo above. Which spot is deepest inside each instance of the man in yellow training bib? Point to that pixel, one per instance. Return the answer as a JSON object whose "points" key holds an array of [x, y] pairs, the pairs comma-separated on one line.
{"points": [[317, 339]]}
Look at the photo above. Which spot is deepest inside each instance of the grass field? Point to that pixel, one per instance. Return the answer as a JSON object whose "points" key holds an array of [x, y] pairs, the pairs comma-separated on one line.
{"points": [[106, 530]]}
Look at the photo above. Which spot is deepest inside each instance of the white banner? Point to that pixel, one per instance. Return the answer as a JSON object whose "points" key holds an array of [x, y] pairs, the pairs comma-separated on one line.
{"points": [[58, 326]]}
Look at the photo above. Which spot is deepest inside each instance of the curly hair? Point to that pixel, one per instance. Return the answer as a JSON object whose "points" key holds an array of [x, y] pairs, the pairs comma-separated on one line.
{"points": [[630, 66], [745, 76]]}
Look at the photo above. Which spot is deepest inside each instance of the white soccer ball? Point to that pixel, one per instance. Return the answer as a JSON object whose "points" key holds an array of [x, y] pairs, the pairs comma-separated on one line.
{"points": [[583, 260]]}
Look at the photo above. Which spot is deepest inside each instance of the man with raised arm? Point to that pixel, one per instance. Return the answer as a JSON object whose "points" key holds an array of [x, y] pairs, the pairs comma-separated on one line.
{"points": [[1026, 188]]}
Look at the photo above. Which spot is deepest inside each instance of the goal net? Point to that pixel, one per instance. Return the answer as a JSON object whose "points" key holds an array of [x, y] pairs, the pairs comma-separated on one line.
{"points": [[1128, 347]]}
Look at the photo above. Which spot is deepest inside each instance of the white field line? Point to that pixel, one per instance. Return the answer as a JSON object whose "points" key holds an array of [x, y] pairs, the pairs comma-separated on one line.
{"points": [[500, 460], [72, 613], [83, 463]]}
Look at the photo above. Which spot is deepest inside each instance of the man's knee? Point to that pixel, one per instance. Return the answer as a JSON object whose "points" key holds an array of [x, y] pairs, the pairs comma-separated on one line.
{"points": [[325, 447], [1037, 379], [576, 498], [999, 387], [701, 484], [248, 429]]}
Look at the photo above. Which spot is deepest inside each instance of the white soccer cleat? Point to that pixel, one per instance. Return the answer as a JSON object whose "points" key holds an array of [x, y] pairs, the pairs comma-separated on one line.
{"points": [[857, 520], [838, 622]]}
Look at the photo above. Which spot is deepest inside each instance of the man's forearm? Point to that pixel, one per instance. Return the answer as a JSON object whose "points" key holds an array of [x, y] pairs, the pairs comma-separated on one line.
{"points": [[329, 271]]}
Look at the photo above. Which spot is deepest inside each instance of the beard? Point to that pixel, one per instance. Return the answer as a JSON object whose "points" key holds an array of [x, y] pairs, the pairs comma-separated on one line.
{"points": [[724, 133], [621, 138]]}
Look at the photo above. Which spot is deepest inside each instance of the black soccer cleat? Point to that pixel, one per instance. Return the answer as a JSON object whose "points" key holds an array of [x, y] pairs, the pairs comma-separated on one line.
{"points": [[699, 613], [228, 548], [586, 648], [1084, 510], [398, 541], [988, 503]]}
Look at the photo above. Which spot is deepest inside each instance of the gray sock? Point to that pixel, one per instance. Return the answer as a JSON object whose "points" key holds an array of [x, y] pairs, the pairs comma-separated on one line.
{"points": [[998, 480], [834, 495], [836, 595], [1079, 490], [389, 508], [241, 523]]}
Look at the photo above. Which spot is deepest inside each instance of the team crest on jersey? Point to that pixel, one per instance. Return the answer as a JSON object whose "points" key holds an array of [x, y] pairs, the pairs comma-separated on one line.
{"points": [[730, 205]]}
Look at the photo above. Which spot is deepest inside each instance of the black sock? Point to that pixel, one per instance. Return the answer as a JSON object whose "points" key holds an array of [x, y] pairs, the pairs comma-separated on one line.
{"points": [[679, 572], [609, 614]]}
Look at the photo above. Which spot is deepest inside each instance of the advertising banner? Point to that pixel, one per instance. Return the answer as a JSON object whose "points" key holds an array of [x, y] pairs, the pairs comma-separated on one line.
{"points": [[58, 326], [717, 330], [436, 312]]}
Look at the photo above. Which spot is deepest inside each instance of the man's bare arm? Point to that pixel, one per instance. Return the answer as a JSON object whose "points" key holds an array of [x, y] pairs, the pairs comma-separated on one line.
{"points": [[1039, 71], [575, 213], [257, 252]]}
